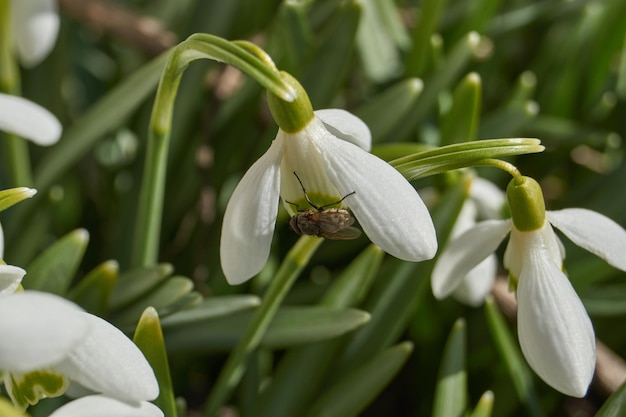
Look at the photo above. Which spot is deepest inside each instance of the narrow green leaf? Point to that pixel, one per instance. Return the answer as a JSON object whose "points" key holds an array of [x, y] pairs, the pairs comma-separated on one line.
{"points": [[417, 61], [149, 338], [351, 393], [607, 300], [484, 406], [334, 51], [211, 308], [291, 326], [164, 295], [93, 292], [451, 390], [133, 284], [460, 123], [54, 269], [439, 81], [383, 112], [13, 196], [393, 305], [301, 371], [615, 405], [396, 150], [512, 357]]}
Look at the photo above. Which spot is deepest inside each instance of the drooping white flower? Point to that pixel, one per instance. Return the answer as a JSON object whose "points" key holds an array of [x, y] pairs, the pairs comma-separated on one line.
{"points": [[555, 332], [45, 336], [35, 29], [29, 120], [329, 154]]}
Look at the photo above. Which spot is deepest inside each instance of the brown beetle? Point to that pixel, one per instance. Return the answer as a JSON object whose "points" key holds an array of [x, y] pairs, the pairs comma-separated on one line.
{"points": [[333, 223]]}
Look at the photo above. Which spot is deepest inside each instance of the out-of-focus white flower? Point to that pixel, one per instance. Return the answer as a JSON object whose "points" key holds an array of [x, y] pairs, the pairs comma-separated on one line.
{"points": [[554, 330], [485, 201], [46, 338], [24, 118], [329, 152], [35, 29]]}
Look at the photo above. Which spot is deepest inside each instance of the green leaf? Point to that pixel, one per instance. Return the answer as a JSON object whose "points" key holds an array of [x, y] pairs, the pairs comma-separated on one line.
{"points": [[508, 121], [484, 406], [453, 65], [417, 62], [291, 326], [301, 370], [149, 338], [93, 292], [334, 51], [54, 269], [210, 308], [352, 392], [167, 293], [460, 123], [405, 284], [512, 357], [615, 405], [13, 196], [386, 110], [451, 390], [133, 284]]}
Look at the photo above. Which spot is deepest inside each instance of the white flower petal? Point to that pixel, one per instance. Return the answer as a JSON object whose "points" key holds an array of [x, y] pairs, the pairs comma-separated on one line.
{"points": [[10, 278], [101, 406], [35, 29], [387, 207], [346, 126], [488, 197], [29, 120], [554, 330], [594, 232], [462, 254], [38, 330], [107, 361], [477, 283], [250, 217]]}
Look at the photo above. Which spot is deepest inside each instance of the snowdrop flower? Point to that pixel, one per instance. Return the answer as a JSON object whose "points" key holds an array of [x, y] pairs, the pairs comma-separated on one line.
{"points": [[485, 200], [47, 342], [328, 151], [554, 330], [24, 118], [35, 29]]}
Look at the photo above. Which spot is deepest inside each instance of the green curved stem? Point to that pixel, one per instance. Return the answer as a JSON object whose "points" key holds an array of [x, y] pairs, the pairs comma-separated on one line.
{"points": [[198, 46], [15, 148], [297, 258]]}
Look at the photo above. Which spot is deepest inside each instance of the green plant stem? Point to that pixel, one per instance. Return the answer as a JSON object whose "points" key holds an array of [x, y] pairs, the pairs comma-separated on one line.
{"points": [[252, 61], [233, 370], [15, 149], [505, 166]]}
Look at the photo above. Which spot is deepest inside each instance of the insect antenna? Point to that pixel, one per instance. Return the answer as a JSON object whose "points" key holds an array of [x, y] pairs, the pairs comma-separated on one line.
{"points": [[315, 206]]}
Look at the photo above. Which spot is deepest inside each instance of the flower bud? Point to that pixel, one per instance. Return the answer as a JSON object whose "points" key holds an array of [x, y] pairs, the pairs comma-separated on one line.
{"points": [[295, 116], [528, 209]]}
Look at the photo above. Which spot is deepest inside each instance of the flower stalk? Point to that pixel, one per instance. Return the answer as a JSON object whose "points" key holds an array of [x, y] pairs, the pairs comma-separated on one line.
{"points": [[297, 258], [198, 46], [15, 149]]}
